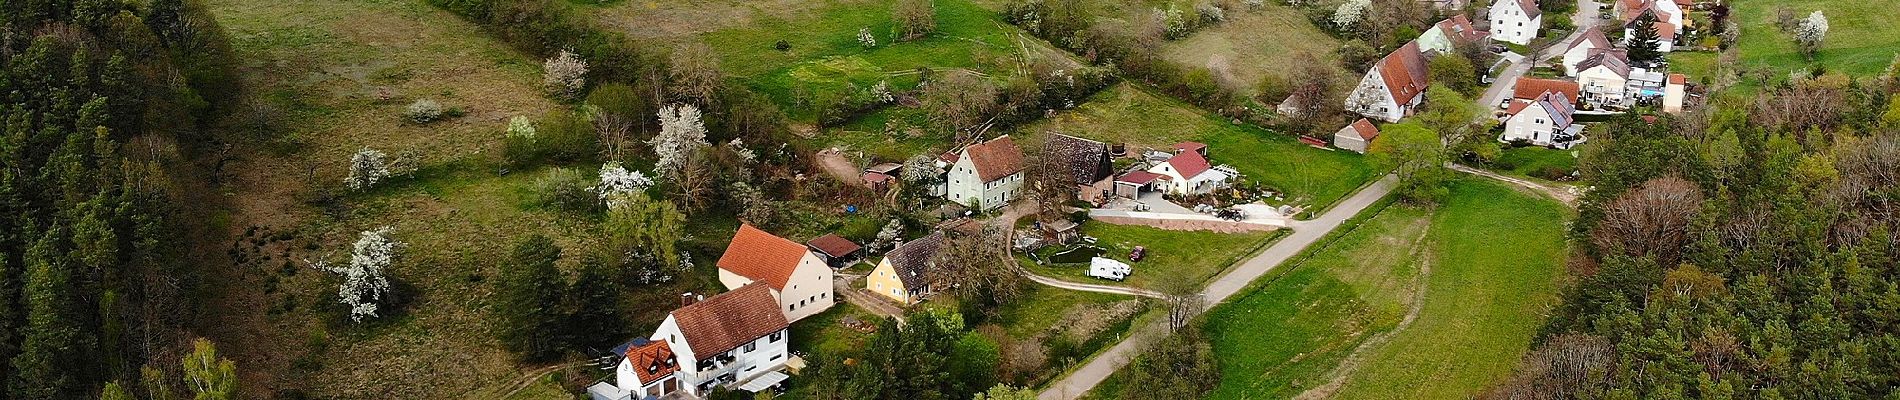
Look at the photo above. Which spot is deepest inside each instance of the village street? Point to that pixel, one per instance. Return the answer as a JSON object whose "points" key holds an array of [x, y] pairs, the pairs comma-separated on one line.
{"points": [[1305, 234], [1585, 17]]}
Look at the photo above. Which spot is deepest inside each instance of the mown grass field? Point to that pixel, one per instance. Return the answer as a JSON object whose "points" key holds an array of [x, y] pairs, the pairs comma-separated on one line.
{"points": [[1496, 257], [1861, 40], [1486, 262], [1695, 65], [1129, 114], [1198, 256]]}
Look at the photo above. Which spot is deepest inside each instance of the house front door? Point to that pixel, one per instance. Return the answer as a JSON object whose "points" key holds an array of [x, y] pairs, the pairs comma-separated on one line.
{"points": [[668, 385]]}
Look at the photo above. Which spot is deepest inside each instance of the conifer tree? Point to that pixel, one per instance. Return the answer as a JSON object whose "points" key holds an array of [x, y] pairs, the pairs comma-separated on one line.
{"points": [[529, 306]]}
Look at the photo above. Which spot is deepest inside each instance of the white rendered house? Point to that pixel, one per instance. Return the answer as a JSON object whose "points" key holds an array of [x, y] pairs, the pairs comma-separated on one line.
{"points": [[988, 174], [800, 280], [1548, 121], [1591, 41], [1515, 21], [1394, 88], [1189, 173], [736, 339], [1604, 77]]}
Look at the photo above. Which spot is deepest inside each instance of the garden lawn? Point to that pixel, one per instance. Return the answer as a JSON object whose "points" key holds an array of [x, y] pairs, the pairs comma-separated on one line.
{"points": [[1694, 65], [1238, 51], [1861, 40], [1496, 258], [1128, 114], [1198, 255], [1530, 161]]}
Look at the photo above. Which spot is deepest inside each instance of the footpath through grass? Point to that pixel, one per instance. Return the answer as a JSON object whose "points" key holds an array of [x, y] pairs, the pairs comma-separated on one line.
{"points": [[1861, 39], [1125, 113], [1496, 258]]}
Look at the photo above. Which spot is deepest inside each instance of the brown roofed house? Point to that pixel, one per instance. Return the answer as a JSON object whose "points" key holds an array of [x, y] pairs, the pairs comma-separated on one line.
{"points": [[730, 339], [904, 275], [800, 279], [987, 174], [835, 249], [1356, 136]]}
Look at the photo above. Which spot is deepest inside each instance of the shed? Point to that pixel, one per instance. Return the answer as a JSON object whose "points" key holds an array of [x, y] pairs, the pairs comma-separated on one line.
{"points": [[836, 250]]}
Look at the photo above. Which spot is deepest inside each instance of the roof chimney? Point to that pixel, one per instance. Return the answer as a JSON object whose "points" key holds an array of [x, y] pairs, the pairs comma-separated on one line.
{"points": [[688, 298]]}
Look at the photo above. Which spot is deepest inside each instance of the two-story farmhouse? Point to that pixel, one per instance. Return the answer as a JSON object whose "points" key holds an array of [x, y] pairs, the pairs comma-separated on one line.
{"points": [[1515, 21], [798, 279], [735, 339], [985, 175], [1394, 87], [1546, 122]]}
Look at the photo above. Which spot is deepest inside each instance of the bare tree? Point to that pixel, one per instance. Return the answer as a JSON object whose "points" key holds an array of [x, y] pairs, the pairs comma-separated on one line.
{"points": [[1050, 180], [978, 269], [1182, 296], [1651, 219], [914, 19], [1313, 96], [695, 75], [959, 101], [1559, 369]]}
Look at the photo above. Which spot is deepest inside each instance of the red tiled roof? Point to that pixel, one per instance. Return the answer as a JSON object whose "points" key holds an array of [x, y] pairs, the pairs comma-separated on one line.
{"points": [[1404, 72], [1190, 146], [1530, 8], [1665, 31], [1138, 177], [1517, 106], [1594, 37], [833, 245], [1365, 129], [1189, 164], [996, 158], [654, 360], [1529, 88], [724, 322], [1459, 28], [1677, 79], [762, 257]]}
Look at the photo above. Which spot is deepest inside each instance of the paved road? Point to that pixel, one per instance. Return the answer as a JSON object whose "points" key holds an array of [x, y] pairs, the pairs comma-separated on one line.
{"points": [[1585, 17], [1305, 233]]}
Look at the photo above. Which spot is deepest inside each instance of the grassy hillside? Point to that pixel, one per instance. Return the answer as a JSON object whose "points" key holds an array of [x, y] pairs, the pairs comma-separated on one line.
{"points": [[1129, 114], [1861, 40], [1198, 255], [1251, 44]]}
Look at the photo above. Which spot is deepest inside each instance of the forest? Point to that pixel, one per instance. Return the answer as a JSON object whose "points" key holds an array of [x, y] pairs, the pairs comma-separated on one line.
{"points": [[104, 104], [1747, 251]]}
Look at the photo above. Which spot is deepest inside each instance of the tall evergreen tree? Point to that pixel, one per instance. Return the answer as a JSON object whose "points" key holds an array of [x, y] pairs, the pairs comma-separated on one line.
{"points": [[1645, 46], [49, 364], [529, 303], [597, 317]]}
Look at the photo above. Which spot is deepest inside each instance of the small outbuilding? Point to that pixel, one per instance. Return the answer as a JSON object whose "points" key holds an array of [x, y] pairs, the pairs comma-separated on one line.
{"points": [[835, 250], [1357, 136]]}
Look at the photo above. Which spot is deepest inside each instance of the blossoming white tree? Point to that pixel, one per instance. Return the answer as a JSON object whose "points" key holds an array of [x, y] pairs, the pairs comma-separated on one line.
{"points": [[1811, 32], [888, 236], [1350, 13], [367, 167], [364, 283], [616, 181], [882, 91], [565, 75], [521, 127], [681, 136]]}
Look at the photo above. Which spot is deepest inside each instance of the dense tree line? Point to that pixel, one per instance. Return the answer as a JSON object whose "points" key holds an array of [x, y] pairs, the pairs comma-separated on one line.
{"points": [[97, 99], [1750, 251]]}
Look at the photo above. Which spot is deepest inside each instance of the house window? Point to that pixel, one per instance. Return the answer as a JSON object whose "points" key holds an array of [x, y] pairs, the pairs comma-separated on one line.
{"points": [[790, 308], [825, 295], [751, 347], [775, 337]]}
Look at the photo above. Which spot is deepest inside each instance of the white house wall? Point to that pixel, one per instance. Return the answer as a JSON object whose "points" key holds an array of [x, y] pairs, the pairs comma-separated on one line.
{"points": [[1532, 124], [1381, 105], [808, 291], [1508, 23], [767, 355]]}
